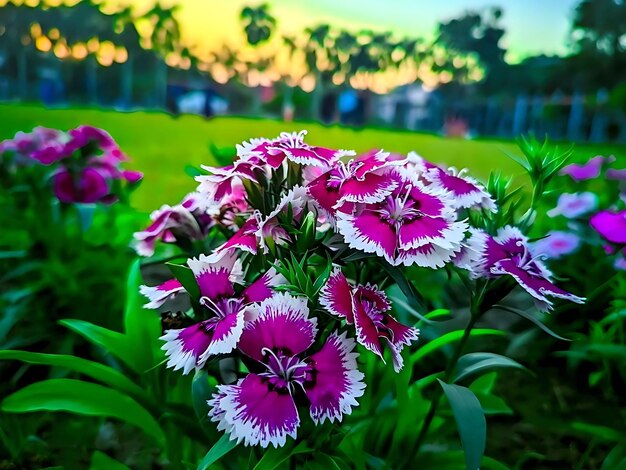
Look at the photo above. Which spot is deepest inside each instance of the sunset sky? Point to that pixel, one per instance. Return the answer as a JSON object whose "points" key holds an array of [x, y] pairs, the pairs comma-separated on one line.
{"points": [[533, 26]]}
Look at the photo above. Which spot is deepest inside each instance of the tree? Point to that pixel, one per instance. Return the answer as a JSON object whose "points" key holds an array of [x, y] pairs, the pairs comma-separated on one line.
{"points": [[470, 40], [258, 23], [599, 35]]}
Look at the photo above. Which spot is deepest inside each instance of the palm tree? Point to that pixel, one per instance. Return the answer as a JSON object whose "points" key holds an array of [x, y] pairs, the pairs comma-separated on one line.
{"points": [[259, 24]]}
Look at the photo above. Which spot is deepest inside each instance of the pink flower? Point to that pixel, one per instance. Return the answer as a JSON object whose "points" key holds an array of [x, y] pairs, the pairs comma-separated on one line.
{"points": [[557, 244], [574, 205], [366, 308], [221, 319], [261, 409], [366, 179], [509, 254], [415, 224], [466, 191], [587, 171], [187, 220], [611, 225]]}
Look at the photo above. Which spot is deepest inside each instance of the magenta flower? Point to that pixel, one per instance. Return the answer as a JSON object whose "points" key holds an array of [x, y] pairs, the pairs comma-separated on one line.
{"points": [[586, 171], [611, 225], [291, 146], [86, 186], [260, 409], [466, 191], [223, 312], [365, 179], [557, 244], [415, 224], [83, 136], [42, 144], [366, 308], [222, 180], [169, 224], [616, 174], [158, 295], [573, 205], [508, 254]]}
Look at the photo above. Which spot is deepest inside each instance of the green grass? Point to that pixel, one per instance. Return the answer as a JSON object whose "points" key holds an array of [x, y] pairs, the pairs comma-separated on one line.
{"points": [[161, 145]]}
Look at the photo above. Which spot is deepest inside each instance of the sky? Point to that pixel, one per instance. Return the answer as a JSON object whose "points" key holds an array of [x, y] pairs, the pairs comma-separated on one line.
{"points": [[533, 26]]}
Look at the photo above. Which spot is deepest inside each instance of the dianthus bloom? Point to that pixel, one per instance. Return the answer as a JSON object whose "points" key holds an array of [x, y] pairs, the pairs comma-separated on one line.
{"points": [[573, 205], [556, 244], [415, 224], [86, 162], [261, 408], [587, 171], [185, 221], [611, 225], [219, 327], [508, 254], [367, 309]]}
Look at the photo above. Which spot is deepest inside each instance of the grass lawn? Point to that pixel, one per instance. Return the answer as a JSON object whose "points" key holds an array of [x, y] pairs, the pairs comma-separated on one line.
{"points": [[161, 145]]}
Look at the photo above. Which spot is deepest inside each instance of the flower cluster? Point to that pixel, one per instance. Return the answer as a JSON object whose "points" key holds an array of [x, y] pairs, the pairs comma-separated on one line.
{"points": [[86, 162], [293, 227], [580, 210]]}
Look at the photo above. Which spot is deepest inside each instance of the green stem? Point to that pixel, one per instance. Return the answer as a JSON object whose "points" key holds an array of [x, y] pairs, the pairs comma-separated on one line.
{"points": [[434, 404]]}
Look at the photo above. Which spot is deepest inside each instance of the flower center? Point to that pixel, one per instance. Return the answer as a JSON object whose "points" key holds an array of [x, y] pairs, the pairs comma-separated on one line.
{"points": [[400, 208], [283, 371], [221, 308], [341, 173]]}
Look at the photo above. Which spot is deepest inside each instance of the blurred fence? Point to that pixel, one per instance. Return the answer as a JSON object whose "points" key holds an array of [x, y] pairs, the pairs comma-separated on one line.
{"points": [[575, 117]]}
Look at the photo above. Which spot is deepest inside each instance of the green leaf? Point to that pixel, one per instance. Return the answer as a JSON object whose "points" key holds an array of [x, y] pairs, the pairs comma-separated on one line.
{"points": [[100, 372], [322, 461], [101, 461], [114, 342], [493, 405], [273, 457], [470, 421], [448, 338], [615, 459], [602, 432], [222, 447], [83, 398], [530, 317], [142, 326], [407, 288], [185, 276], [480, 362]]}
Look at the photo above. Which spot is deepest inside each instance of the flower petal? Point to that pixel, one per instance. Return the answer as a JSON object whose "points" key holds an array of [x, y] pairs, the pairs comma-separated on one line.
{"points": [[366, 331], [226, 334], [538, 287], [252, 412], [261, 289], [186, 347], [214, 274], [369, 233], [611, 225], [336, 296], [280, 322], [158, 295], [336, 381], [246, 238]]}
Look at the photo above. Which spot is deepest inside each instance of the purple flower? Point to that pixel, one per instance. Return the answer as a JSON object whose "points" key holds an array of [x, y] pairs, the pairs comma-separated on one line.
{"points": [[222, 316], [556, 244], [260, 409], [169, 224], [85, 135], [366, 308], [365, 179], [415, 224], [87, 186], [466, 191], [587, 171], [572, 205], [508, 254], [160, 294], [291, 146], [611, 225], [616, 174]]}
